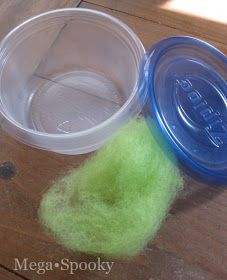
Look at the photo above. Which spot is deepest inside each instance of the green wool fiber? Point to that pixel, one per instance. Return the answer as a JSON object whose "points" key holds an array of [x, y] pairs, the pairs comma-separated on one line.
{"points": [[114, 203]]}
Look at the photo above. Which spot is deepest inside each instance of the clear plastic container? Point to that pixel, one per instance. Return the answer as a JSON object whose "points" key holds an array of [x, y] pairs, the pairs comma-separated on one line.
{"points": [[68, 79]]}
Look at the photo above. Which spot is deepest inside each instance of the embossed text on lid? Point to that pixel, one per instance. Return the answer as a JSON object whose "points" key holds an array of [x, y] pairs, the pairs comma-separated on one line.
{"points": [[186, 80]]}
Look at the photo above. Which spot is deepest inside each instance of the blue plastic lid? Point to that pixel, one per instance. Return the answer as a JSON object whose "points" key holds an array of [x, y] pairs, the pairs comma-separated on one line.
{"points": [[185, 82]]}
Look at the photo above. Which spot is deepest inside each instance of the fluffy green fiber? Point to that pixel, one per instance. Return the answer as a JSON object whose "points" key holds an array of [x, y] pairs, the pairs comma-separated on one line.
{"points": [[115, 203]]}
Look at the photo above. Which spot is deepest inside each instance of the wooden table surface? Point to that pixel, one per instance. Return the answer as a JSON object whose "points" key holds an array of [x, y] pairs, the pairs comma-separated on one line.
{"points": [[192, 243]]}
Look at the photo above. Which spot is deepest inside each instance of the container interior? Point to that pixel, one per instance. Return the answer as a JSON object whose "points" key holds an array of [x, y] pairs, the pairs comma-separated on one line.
{"points": [[65, 74]]}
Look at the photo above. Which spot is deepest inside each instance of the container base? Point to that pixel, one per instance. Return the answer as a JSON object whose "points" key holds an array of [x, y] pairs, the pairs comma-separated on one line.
{"points": [[72, 102]]}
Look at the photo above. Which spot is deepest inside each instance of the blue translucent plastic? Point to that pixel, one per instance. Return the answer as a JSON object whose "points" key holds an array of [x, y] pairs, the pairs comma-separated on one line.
{"points": [[185, 82]]}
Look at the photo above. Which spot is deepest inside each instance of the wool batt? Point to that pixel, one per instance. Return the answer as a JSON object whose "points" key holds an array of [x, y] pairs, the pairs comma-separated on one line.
{"points": [[116, 201]]}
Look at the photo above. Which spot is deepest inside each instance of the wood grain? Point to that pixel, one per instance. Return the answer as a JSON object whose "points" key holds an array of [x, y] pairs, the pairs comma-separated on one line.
{"points": [[153, 10], [14, 12], [191, 244], [196, 228], [150, 32], [6, 275]]}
